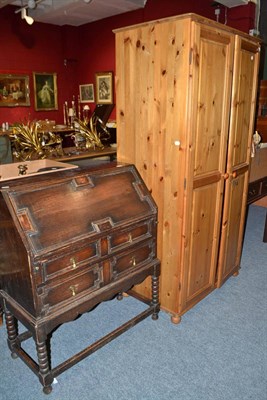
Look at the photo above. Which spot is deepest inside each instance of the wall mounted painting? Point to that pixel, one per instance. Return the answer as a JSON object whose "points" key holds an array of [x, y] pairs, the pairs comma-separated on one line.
{"points": [[45, 91], [14, 90], [87, 93], [104, 87]]}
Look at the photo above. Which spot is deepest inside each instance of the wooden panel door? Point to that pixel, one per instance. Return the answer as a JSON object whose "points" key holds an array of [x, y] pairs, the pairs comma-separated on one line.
{"points": [[241, 130], [212, 65]]}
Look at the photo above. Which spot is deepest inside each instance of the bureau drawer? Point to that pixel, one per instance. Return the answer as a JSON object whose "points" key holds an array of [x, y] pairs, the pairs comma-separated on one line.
{"points": [[87, 281], [118, 240], [70, 262], [123, 263]]}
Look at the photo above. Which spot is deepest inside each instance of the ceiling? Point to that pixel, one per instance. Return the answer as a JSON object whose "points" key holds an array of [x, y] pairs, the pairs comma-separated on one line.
{"points": [[74, 12]]}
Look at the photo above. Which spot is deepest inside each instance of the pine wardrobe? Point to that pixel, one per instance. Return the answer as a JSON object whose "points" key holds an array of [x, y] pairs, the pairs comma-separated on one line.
{"points": [[185, 96]]}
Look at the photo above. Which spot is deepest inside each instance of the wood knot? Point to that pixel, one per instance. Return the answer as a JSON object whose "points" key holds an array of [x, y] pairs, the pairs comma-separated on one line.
{"points": [[138, 43]]}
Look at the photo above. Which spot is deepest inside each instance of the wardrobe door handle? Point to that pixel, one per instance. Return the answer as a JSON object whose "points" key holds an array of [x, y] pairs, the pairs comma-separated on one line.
{"points": [[234, 174], [226, 175]]}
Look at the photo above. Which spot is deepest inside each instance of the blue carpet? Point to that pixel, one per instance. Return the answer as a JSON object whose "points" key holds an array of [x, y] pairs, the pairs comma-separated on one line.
{"points": [[218, 352]]}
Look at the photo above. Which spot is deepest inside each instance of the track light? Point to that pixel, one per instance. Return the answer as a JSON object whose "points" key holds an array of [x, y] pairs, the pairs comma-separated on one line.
{"points": [[27, 18], [31, 4]]}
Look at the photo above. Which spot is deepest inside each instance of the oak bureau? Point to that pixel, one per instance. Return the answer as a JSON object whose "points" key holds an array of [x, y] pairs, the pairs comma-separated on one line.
{"points": [[71, 240]]}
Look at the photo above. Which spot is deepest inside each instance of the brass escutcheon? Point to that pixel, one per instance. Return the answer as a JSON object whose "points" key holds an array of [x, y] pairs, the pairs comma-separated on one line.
{"points": [[22, 169]]}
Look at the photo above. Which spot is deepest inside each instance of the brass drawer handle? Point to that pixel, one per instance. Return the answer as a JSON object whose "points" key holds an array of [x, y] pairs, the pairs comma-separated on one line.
{"points": [[73, 290], [73, 261], [133, 261]]}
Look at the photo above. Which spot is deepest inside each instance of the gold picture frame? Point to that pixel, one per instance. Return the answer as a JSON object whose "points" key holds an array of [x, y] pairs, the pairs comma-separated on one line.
{"points": [[14, 90], [45, 91], [104, 87]]}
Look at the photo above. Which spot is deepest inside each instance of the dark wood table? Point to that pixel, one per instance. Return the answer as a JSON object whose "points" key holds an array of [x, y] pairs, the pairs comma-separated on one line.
{"points": [[72, 154]]}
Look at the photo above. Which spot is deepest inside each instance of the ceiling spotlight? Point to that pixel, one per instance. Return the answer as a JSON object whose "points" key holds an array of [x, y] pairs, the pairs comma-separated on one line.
{"points": [[27, 18], [31, 4], [87, 1]]}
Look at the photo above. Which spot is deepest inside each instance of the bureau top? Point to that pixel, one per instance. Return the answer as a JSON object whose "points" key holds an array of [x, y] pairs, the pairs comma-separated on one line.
{"points": [[67, 207]]}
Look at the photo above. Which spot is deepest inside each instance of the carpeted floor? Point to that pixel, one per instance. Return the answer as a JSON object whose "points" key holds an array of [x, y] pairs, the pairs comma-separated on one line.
{"points": [[218, 352]]}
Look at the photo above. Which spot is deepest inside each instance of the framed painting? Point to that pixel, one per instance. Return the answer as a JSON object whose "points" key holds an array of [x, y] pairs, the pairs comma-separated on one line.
{"points": [[87, 93], [104, 87], [14, 90], [45, 91]]}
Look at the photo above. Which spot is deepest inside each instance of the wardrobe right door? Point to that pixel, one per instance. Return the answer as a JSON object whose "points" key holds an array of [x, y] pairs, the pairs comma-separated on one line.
{"points": [[243, 102]]}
